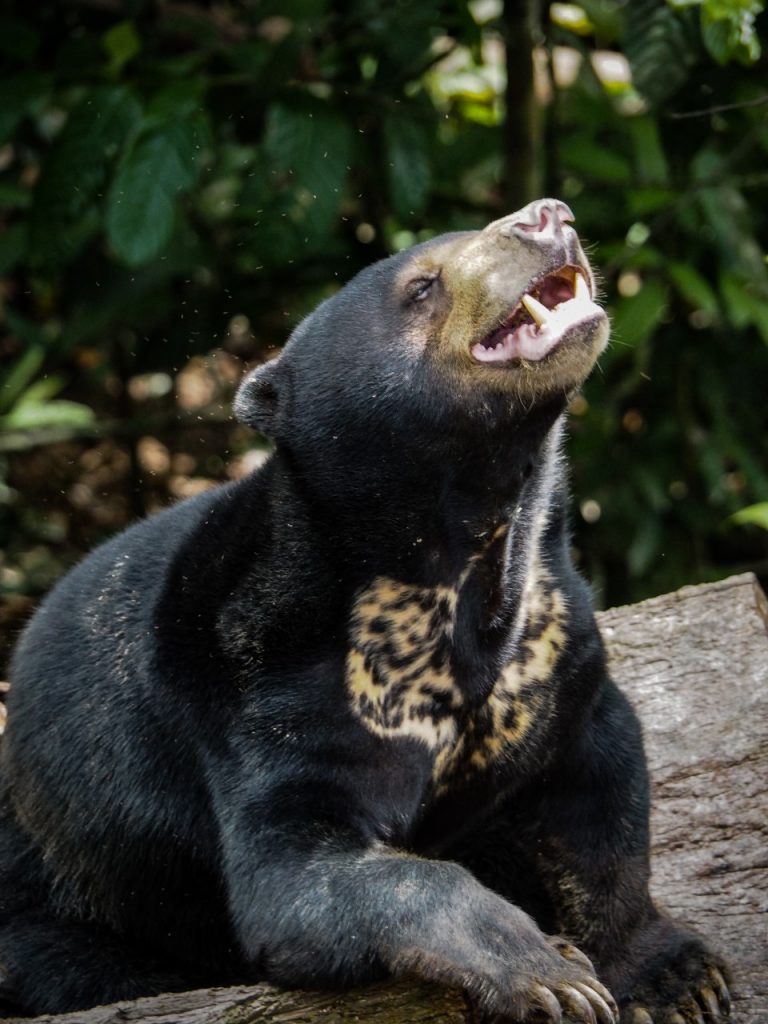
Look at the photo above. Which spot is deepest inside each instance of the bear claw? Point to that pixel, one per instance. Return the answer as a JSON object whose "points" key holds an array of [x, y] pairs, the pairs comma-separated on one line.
{"points": [[720, 989], [548, 1002], [714, 1000], [589, 1003], [714, 1004], [641, 1016], [708, 999], [578, 1004], [606, 994], [600, 999]]}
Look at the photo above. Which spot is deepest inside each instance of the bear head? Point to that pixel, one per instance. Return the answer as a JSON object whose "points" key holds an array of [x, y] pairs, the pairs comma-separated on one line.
{"points": [[454, 357]]}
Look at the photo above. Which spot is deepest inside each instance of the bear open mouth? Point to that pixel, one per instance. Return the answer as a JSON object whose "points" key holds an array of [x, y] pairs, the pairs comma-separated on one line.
{"points": [[546, 311]]}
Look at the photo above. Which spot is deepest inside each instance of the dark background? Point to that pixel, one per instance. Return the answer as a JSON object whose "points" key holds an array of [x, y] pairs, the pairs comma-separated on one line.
{"points": [[180, 182]]}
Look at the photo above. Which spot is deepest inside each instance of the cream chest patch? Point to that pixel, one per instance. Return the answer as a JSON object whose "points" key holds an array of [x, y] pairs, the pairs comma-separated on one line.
{"points": [[397, 667], [400, 683]]}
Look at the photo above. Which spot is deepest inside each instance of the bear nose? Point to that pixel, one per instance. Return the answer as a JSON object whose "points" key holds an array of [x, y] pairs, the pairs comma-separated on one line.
{"points": [[540, 220]]}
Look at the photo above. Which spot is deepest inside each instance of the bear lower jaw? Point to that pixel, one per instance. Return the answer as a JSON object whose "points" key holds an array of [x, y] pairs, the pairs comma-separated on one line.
{"points": [[536, 326]]}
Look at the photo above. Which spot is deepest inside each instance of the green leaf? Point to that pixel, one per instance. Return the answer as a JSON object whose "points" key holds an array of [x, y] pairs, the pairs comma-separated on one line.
{"points": [[59, 413], [254, 57], [636, 318], [14, 197], [17, 376], [744, 305], [605, 15], [596, 162], [97, 128], [752, 515], [176, 101], [728, 30], [141, 205], [661, 44], [731, 219], [409, 174], [311, 145], [184, 65], [122, 43], [649, 157], [42, 390], [644, 201], [694, 287], [734, 297]]}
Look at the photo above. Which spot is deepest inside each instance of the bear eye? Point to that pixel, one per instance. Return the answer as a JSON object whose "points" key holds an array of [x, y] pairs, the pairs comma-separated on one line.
{"points": [[420, 287]]}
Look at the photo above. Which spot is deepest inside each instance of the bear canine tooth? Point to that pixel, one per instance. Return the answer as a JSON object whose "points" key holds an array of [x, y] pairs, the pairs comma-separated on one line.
{"points": [[537, 309], [581, 288]]}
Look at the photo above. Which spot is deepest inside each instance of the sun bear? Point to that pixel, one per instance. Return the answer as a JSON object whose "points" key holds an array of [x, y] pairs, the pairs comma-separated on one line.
{"points": [[349, 717]]}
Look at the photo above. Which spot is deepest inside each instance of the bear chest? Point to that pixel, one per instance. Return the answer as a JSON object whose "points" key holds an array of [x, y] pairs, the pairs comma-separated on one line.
{"points": [[400, 681]]}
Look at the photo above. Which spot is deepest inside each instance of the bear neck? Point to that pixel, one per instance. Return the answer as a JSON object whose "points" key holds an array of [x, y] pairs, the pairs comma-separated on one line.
{"points": [[447, 514]]}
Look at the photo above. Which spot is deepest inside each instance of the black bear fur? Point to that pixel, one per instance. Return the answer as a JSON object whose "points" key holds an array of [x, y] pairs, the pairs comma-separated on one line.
{"points": [[350, 716]]}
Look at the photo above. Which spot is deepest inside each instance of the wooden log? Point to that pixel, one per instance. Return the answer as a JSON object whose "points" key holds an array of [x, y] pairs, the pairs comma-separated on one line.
{"points": [[695, 663], [392, 1003]]}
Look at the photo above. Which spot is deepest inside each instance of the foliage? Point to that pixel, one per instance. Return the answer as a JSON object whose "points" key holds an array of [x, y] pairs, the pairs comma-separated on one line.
{"points": [[678, 408], [178, 180]]}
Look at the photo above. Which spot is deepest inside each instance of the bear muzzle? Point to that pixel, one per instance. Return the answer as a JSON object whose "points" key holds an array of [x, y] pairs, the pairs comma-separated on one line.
{"points": [[557, 301]]}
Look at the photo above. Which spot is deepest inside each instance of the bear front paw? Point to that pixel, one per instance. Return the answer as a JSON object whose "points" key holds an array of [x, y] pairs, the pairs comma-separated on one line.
{"points": [[549, 1002], [709, 1002], [679, 981], [553, 991]]}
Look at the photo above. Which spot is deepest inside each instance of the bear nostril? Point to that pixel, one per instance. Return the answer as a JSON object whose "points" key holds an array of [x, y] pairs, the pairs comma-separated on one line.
{"points": [[540, 220], [532, 229]]}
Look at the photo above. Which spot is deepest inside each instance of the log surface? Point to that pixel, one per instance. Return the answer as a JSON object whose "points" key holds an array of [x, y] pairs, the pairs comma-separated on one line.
{"points": [[695, 664]]}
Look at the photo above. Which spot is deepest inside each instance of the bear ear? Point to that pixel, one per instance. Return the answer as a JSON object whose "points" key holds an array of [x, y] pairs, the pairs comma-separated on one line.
{"points": [[261, 397]]}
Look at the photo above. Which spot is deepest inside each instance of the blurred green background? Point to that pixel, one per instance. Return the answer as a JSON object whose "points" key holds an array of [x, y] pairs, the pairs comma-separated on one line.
{"points": [[180, 182]]}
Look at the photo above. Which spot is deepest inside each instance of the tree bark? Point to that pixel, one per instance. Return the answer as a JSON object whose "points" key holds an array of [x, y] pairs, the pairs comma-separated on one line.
{"points": [[523, 119], [695, 664]]}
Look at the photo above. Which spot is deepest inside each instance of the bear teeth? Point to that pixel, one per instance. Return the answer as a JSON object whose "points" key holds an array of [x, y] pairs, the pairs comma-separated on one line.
{"points": [[537, 309], [581, 288], [538, 322]]}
